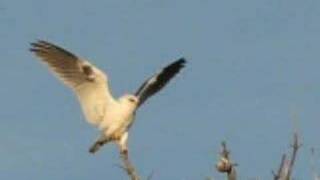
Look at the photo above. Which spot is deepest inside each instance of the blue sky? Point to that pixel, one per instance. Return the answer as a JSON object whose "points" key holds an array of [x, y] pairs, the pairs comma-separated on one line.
{"points": [[253, 70]]}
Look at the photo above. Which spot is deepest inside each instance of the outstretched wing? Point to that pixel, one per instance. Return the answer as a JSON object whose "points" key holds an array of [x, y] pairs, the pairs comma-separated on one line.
{"points": [[69, 68], [159, 80], [87, 81]]}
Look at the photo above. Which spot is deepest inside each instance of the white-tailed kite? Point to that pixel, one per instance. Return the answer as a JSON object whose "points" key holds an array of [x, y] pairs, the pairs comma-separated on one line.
{"points": [[113, 117]]}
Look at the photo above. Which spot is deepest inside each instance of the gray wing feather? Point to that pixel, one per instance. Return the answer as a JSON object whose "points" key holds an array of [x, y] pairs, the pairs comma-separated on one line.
{"points": [[72, 70]]}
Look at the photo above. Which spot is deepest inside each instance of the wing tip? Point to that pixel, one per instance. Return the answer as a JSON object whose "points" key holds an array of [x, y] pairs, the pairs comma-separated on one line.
{"points": [[42, 46], [36, 46], [39, 43], [33, 49], [182, 60], [180, 63]]}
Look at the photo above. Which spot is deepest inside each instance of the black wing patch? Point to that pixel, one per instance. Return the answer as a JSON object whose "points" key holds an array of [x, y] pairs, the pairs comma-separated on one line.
{"points": [[159, 80]]}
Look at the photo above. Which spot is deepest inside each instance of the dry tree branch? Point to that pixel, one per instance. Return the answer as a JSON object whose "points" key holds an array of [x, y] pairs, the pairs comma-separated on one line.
{"points": [[295, 146], [313, 165], [150, 176], [286, 167], [277, 176], [129, 167], [225, 164]]}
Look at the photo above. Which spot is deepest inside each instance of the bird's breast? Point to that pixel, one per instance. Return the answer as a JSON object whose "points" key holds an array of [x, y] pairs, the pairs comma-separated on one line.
{"points": [[117, 120]]}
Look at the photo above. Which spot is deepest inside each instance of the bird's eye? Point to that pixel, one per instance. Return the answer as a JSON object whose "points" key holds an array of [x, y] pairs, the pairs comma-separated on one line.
{"points": [[131, 100]]}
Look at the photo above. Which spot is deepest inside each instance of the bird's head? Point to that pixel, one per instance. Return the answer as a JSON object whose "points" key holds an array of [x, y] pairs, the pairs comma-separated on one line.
{"points": [[129, 100]]}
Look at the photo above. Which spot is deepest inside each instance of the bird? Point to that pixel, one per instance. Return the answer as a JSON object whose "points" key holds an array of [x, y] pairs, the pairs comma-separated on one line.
{"points": [[112, 116]]}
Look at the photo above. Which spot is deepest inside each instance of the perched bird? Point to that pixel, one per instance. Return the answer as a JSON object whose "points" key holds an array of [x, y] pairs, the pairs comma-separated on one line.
{"points": [[113, 117]]}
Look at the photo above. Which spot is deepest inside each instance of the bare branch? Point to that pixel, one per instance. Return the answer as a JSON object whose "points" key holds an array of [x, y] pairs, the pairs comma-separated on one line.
{"points": [[280, 173], [232, 175], [128, 167], [225, 164], [296, 145], [150, 176], [313, 165], [286, 167]]}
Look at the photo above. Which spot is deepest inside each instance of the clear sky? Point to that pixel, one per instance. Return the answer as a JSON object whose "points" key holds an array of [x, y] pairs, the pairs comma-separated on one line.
{"points": [[252, 67]]}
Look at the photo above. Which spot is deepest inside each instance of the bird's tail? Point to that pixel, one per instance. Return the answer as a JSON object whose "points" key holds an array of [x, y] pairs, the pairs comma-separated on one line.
{"points": [[98, 144]]}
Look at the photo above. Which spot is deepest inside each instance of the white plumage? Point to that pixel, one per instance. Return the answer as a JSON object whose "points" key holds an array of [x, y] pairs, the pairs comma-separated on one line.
{"points": [[112, 116]]}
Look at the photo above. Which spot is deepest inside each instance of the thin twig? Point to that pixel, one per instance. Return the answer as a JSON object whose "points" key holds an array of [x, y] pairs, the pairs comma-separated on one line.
{"points": [[295, 146], [286, 167], [129, 167], [313, 165], [150, 176], [277, 176]]}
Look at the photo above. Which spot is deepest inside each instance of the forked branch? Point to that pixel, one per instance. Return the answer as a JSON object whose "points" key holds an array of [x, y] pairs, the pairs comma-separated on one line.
{"points": [[286, 167]]}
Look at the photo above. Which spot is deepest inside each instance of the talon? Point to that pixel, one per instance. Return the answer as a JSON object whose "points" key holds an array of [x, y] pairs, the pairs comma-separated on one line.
{"points": [[124, 152]]}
